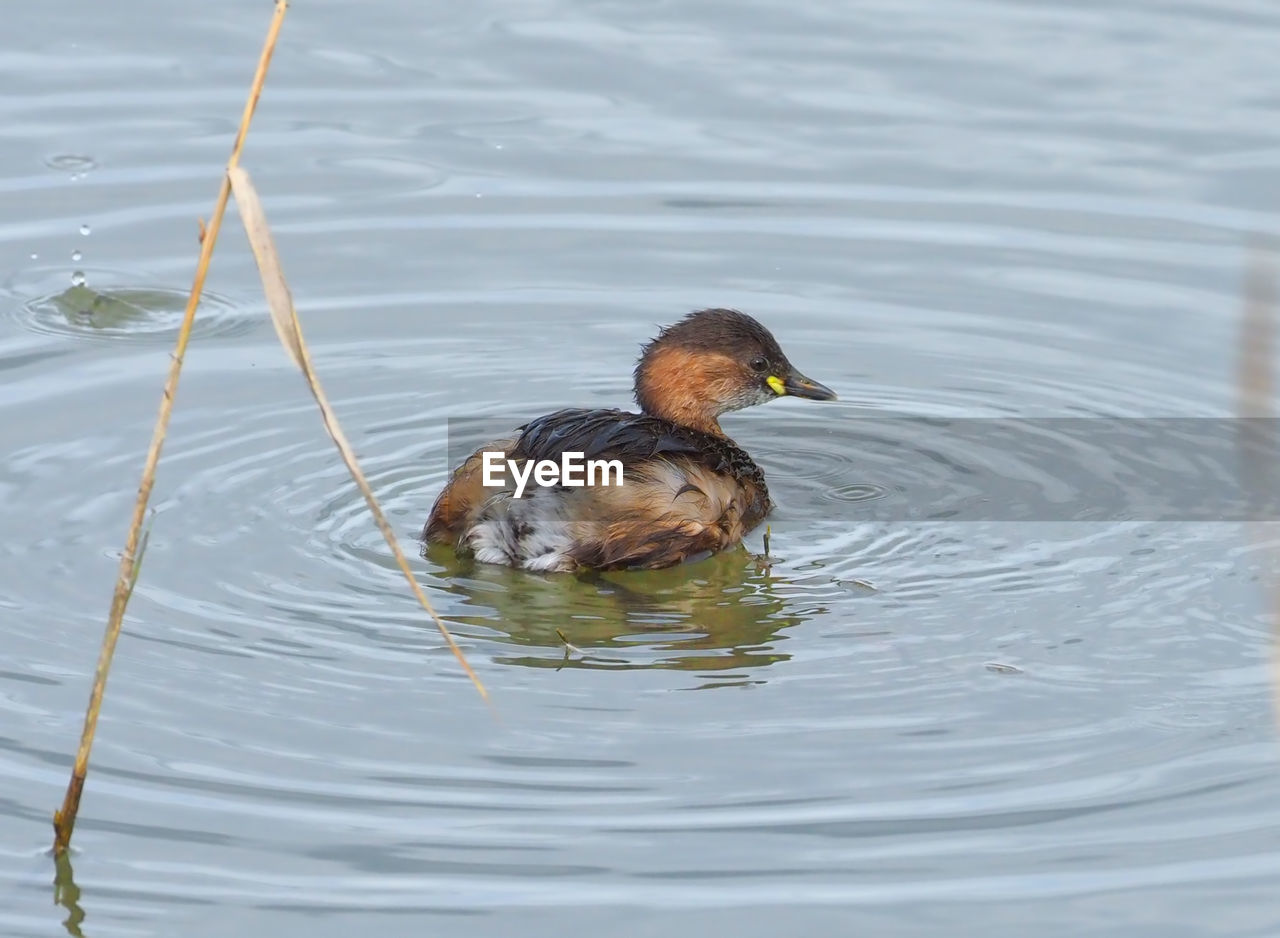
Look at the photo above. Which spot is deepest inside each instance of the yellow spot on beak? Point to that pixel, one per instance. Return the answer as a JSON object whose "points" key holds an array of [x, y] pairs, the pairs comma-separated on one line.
{"points": [[776, 383]]}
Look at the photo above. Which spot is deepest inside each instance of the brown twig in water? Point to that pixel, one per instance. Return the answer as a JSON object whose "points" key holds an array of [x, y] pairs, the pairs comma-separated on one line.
{"points": [[65, 818], [569, 645], [285, 319]]}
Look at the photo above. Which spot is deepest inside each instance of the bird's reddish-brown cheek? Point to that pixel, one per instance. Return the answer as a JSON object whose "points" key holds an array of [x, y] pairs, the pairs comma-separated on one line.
{"points": [[725, 382], [693, 383]]}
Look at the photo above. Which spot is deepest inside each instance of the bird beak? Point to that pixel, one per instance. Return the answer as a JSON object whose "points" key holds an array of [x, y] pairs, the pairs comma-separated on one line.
{"points": [[797, 385]]}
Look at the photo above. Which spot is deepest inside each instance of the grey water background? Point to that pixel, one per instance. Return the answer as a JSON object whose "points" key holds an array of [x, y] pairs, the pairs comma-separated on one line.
{"points": [[950, 211]]}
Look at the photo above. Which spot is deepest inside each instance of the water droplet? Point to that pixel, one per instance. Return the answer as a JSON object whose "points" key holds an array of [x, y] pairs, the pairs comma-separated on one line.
{"points": [[35, 256], [84, 230], [76, 256], [497, 146], [479, 196], [78, 278]]}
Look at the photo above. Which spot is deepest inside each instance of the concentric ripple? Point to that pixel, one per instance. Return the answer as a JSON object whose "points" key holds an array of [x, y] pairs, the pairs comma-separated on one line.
{"points": [[129, 313]]}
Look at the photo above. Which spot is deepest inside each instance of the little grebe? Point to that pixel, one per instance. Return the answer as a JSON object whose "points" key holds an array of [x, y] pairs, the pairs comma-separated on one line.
{"points": [[687, 490]]}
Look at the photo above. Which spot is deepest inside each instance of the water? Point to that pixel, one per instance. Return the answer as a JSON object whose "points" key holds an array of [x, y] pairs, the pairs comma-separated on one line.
{"points": [[943, 209]]}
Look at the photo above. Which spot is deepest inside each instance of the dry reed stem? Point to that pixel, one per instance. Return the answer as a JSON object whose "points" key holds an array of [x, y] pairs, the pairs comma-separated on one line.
{"points": [[285, 319], [1256, 388], [65, 818]]}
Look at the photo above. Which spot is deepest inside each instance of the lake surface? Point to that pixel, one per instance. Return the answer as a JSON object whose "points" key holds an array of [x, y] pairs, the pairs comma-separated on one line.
{"points": [[963, 720]]}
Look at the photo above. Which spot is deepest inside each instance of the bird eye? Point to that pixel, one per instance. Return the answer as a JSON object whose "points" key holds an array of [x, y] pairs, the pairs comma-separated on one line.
{"points": [[759, 365]]}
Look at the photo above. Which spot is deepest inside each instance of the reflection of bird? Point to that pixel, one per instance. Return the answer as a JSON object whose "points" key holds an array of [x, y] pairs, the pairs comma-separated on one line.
{"points": [[686, 489], [724, 613]]}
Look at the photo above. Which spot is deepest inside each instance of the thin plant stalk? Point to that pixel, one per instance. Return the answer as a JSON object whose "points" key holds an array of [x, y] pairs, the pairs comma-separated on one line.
{"points": [[1256, 388], [65, 818], [285, 319]]}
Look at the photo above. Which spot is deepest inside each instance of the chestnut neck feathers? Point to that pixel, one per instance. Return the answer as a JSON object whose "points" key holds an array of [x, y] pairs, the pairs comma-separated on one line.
{"points": [[701, 367]]}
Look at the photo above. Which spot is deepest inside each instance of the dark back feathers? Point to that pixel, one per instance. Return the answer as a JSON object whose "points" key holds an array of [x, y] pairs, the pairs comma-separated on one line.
{"points": [[632, 439]]}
